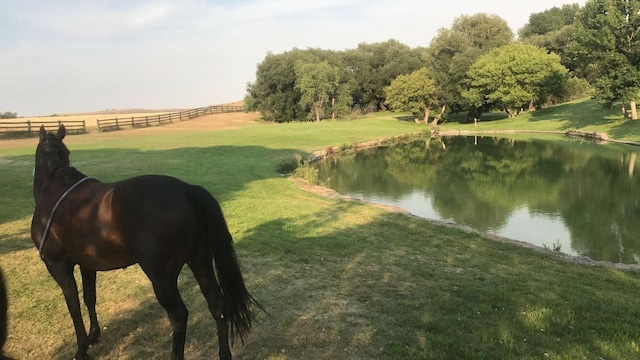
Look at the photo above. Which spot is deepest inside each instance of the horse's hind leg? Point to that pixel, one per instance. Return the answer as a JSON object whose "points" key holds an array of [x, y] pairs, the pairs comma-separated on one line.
{"points": [[203, 272], [89, 294], [166, 290], [62, 272]]}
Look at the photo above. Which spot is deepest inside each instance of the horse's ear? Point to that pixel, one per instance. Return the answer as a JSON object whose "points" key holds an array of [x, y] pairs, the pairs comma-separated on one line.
{"points": [[43, 133], [61, 132]]}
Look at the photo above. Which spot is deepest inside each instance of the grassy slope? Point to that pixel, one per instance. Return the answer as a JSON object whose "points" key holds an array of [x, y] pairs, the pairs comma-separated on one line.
{"points": [[341, 280], [582, 115]]}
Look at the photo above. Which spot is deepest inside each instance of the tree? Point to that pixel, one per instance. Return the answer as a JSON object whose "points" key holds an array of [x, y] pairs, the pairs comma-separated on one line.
{"points": [[318, 83], [374, 66], [274, 89], [452, 52], [362, 75], [550, 20], [515, 76], [553, 30], [414, 92], [483, 31], [8, 115], [607, 42]]}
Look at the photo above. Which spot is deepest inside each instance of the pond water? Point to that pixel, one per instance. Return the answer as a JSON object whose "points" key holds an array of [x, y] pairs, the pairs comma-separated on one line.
{"points": [[579, 197]]}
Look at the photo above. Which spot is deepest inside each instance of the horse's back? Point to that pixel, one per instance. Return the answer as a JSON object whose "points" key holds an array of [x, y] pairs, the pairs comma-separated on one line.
{"points": [[156, 217]]}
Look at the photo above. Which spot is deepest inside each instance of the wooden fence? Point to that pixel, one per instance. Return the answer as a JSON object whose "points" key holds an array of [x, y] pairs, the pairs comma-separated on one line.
{"points": [[162, 119], [30, 128]]}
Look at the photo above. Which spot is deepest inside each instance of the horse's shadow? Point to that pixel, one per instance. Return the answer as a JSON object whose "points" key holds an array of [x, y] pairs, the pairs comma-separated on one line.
{"points": [[134, 333]]}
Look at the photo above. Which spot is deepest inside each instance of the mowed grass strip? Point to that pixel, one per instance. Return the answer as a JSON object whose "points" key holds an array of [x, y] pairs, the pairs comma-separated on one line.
{"points": [[340, 279]]}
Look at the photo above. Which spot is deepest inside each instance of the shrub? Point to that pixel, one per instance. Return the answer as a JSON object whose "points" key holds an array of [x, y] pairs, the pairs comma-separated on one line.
{"points": [[308, 173], [289, 164]]}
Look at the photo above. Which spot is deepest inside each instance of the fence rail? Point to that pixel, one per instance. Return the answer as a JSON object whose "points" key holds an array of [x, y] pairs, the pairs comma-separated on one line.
{"points": [[30, 128], [162, 119]]}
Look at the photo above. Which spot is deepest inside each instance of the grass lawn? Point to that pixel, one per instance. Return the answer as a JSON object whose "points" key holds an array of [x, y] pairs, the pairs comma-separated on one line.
{"points": [[581, 115], [340, 279]]}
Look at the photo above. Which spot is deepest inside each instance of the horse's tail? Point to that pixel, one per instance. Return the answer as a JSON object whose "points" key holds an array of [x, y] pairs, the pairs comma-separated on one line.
{"points": [[3, 316], [239, 304]]}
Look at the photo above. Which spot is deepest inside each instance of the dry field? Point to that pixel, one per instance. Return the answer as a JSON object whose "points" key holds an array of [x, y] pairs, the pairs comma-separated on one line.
{"points": [[91, 117], [204, 123]]}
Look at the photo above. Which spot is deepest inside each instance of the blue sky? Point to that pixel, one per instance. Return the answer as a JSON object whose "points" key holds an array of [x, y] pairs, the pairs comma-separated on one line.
{"points": [[73, 55]]}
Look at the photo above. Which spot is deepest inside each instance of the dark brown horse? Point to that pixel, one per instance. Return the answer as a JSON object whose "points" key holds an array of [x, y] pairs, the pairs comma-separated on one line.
{"points": [[158, 222]]}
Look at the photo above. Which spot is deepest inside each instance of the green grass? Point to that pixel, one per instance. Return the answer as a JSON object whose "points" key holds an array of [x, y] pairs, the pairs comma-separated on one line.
{"points": [[581, 115], [340, 279]]}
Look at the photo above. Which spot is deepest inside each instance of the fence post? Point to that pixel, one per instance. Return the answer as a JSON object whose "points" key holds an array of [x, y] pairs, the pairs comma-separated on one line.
{"points": [[170, 117], [117, 125], [159, 121], [29, 127], [146, 119], [84, 127]]}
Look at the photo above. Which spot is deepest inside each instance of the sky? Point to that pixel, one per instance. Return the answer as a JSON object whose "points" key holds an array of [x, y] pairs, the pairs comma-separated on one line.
{"points": [[72, 56]]}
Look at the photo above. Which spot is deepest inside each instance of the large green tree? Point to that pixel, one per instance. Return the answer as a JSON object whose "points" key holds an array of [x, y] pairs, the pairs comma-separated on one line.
{"points": [[414, 92], [363, 74], [273, 93], [552, 29], [607, 43], [515, 76], [452, 52], [318, 84], [374, 66]]}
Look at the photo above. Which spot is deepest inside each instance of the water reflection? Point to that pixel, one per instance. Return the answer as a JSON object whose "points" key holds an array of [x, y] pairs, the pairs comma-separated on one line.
{"points": [[581, 196]]}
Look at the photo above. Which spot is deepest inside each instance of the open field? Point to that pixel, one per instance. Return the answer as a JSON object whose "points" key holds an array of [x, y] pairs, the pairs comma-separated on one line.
{"points": [[340, 279], [91, 118]]}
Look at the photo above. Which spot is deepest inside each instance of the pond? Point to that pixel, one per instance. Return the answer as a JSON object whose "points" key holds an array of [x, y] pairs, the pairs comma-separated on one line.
{"points": [[573, 196]]}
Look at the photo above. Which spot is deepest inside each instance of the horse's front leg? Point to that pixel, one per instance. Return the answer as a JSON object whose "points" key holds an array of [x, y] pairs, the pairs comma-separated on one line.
{"points": [[62, 272], [89, 294]]}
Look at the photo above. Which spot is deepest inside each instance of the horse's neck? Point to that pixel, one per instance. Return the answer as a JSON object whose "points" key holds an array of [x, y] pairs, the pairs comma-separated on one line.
{"points": [[47, 189]]}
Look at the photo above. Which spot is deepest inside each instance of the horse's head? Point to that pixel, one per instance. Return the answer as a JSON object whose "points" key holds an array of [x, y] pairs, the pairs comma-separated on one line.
{"points": [[51, 153]]}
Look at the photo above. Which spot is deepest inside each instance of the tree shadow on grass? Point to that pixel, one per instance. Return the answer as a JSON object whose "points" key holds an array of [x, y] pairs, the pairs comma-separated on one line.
{"points": [[407, 118], [395, 287], [575, 115], [355, 293], [626, 129], [222, 170]]}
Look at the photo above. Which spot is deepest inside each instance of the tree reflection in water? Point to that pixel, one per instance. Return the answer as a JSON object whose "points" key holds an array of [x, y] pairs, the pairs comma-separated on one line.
{"points": [[584, 196]]}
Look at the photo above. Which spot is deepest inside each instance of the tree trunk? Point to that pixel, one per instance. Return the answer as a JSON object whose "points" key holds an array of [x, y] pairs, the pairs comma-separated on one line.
{"points": [[426, 115], [531, 106], [317, 113], [508, 112], [333, 108], [437, 118], [473, 114], [634, 111], [624, 109]]}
